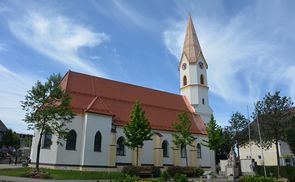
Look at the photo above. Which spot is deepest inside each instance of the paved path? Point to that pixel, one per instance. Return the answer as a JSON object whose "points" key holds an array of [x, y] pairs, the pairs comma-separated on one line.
{"points": [[19, 179], [7, 166]]}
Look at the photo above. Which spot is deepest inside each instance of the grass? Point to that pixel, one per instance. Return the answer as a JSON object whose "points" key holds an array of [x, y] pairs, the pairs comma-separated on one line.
{"points": [[64, 174]]}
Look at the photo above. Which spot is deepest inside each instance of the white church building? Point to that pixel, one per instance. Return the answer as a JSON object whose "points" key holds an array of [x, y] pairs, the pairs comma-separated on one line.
{"points": [[96, 138]]}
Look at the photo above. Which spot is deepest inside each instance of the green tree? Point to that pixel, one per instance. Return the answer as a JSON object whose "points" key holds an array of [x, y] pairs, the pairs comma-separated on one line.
{"points": [[273, 112], [11, 140], [215, 137], [137, 130], [238, 123], [183, 135], [228, 143], [47, 110]]}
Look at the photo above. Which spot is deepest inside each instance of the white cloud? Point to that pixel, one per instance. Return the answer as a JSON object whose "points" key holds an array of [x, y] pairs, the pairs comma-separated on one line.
{"points": [[59, 38]]}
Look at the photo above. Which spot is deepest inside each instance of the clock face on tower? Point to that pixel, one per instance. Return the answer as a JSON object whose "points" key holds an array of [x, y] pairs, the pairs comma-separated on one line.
{"points": [[183, 66], [201, 65]]}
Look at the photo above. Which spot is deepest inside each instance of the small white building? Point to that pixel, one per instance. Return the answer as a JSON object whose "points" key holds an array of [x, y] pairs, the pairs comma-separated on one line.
{"points": [[287, 158], [96, 139]]}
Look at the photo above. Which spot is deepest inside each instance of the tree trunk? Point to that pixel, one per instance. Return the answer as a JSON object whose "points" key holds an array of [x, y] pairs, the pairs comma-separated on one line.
{"points": [[38, 150], [215, 163], [186, 156], [278, 158], [15, 162], [136, 156]]}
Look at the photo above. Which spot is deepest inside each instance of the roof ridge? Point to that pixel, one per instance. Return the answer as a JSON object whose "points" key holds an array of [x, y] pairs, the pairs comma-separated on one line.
{"points": [[129, 84]]}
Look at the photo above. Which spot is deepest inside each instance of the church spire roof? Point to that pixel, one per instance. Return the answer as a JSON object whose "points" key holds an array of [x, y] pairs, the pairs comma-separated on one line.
{"points": [[191, 46]]}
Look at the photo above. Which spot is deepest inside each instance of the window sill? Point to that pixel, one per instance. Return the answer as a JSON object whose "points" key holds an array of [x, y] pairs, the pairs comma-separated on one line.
{"points": [[166, 156], [71, 150], [97, 151]]}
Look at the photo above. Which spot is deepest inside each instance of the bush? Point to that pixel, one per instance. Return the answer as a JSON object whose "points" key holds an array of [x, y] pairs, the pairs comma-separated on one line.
{"points": [[136, 170], [256, 179], [188, 171], [41, 174], [164, 176], [199, 172], [180, 178], [285, 171], [156, 171], [129, 178]]}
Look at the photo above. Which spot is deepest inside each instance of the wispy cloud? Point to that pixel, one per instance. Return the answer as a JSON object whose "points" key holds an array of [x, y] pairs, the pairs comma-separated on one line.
{"points": [[59, 38], [240, 60], [13, 87], [2, 47]]}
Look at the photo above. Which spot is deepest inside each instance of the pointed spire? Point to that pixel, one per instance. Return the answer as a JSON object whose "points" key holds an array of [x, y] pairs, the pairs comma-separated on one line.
{"points": [[191, 46]]}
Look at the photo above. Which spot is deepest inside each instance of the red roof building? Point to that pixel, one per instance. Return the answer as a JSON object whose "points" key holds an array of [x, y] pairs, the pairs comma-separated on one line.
{"points": [[103, 96]]}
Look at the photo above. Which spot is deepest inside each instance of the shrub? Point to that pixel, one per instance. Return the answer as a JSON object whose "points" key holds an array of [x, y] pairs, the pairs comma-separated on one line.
{"points": [[129, 178], [180, 178], [199, 172], [131, 170], [164, 176], [136, 170], [156, 171], [41, 174], [256, 179], [188, 171], [285, 171]]}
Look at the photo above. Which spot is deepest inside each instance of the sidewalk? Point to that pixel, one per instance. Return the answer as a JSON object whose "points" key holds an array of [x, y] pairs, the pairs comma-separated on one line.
{"points": [[8, 166], [19, 179]]}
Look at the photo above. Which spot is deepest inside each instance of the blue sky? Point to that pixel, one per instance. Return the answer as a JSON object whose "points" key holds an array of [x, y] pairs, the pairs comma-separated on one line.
{"points": [[249, 46]]}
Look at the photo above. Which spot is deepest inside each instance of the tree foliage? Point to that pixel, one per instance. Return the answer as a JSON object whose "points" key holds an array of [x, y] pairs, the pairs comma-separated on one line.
{"points": [[137, 130], [290, 137], [228, 143], [10, 139], [183, 135], [214, 135], [47, 109], [273, 112], [215, 139], [238, 123]]}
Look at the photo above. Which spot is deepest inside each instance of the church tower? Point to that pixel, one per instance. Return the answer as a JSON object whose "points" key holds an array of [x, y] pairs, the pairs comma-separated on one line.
{"points": [[193, 73]]}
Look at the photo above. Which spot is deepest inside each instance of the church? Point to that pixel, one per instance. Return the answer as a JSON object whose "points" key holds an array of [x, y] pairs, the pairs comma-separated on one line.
{"points": [[96, 139]]}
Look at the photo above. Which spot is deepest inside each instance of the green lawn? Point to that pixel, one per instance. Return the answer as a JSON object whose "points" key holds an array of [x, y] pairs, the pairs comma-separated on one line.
{"points": [[65, 174]]}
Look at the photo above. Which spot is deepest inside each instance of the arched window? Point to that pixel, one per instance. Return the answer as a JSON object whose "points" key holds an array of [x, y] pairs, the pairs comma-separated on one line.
{"points": [[202, 80], [184, 80], [120, 146], [71, 140], [47, 140], [165, 146], [203, 101], [97, 142], [199, 151], [183, 151]]}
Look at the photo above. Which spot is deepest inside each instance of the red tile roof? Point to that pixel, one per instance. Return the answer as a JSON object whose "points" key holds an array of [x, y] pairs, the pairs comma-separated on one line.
{"points": [[108, 97]]}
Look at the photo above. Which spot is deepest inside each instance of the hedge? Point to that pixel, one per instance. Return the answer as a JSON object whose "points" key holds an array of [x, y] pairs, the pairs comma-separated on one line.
{"points": [[188, 171], [136, 170], [285, 171]]}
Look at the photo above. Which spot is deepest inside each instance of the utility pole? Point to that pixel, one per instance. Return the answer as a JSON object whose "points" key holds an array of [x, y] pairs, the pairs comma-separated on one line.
{"points": [[261, 145], [250, 147]]}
